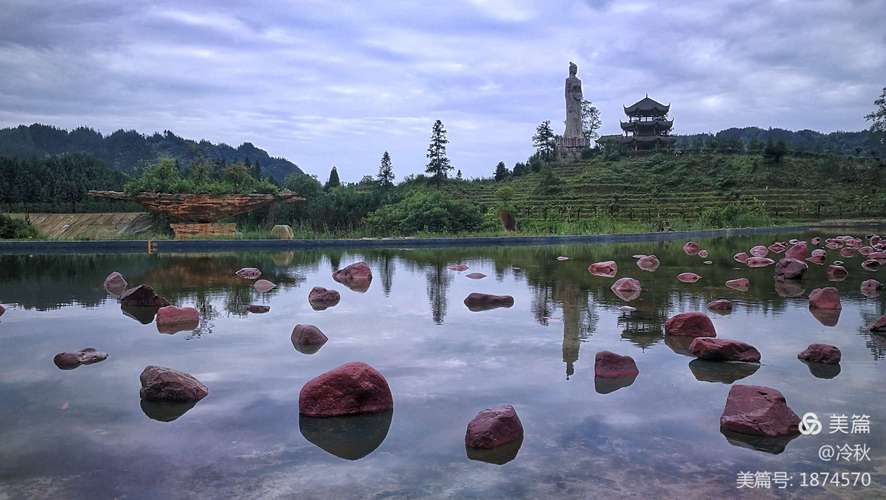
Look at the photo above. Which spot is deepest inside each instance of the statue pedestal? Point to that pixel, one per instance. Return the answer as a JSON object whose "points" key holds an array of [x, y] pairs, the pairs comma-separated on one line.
{"points": [[186, 231], [570, 148]]}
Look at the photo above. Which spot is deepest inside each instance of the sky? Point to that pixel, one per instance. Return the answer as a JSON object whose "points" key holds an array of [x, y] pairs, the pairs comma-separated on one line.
{"points": [[338, 83]]}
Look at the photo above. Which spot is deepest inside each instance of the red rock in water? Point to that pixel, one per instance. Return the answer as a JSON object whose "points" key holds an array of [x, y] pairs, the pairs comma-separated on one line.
{"points": [[257, 308], [115, 284], [307, 339], [816, 241], [475, 276], [648, 263], [703, 254], [627, 289], [790, 269], [759, 262], [322, 298], [71, 360], [711, 349], [879, 257], [825, 298], [690, 324], [607, 269], [356, 276], [865, 251], [870, 265], [249, 273], [759, 251], [494, 427], [611, 365], [874, 240], [166, 384], [741, 257], [777, 247], [142, 296], [720, 305], [834, 245], [871, 288], [740, 284], [263, 286], [483, 301], [758, 411], [818, 256], [457, 267], [688, 277], [798, 251], [847, 252], [821, 353], [879, 326], [351, 389], [836, 273], [171, 319], [2, 310], [690, 248]]}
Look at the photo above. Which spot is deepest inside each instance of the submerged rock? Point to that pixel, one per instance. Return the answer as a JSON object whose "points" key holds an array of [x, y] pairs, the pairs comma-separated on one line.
{"points": [[690, 324], [827, 317], [648, 263], [825, 298], [264, 286], [475, 276], [606, 269], [688, 277], [758, 411], [494, 427], [790, 269], [307, 339], [627, 289], [483, 301], [610, 365], [323, 298], [257, 308], [165, 411], [691, 248], [165, 384], [741, 257], [740, 284], [759, 262], [142, 296], [350, 437], [717, 371], [499, 455], [821, 353], [773, 445], [457, 267], [720, 305], [71, 360], [171, 319], [357, 276], [350, 389], [712, 349], [703, 254], [115, 284], [249, 273]]}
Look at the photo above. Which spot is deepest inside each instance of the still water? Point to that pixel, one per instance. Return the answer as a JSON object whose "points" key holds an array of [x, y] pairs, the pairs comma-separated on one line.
{"points": [[83, 433]]}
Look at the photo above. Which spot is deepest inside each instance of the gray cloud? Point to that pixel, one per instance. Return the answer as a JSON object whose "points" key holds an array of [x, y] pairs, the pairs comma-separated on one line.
{"points": [[327, 84]]}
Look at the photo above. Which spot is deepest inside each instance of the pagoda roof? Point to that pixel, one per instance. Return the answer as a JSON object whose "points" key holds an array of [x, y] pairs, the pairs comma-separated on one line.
{"points": [[659, 123], [647, 106]]}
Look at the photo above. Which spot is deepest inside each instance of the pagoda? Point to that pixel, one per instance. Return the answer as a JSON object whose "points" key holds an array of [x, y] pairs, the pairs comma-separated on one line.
{"points": [[648, 127]]}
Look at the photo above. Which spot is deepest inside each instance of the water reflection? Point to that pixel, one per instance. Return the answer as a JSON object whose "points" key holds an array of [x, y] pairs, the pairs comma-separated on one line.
{"points": [[772, 445], [499, 455], [165, 411], [720, 371], [351, 437]]}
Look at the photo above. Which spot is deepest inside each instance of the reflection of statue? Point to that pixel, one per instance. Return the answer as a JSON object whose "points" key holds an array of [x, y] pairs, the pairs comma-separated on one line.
{"points": [[573, 104]]}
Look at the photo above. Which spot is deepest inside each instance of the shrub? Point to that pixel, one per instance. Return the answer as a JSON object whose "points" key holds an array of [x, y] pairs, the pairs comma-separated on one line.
{"points": [[735, 215], [15, 229], [165, 177], [426, 213]]}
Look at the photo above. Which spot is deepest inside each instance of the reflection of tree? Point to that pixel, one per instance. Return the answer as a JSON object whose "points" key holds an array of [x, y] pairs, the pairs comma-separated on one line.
{"points": [[387, 273], [875, 342], [439, 280]]}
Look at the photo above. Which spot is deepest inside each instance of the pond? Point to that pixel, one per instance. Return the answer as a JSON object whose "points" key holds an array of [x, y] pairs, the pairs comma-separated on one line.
{"points": [[84, 432]]}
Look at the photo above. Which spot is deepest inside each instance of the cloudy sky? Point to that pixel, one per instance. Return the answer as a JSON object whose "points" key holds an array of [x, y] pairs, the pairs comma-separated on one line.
{"points": [[325, 83]]}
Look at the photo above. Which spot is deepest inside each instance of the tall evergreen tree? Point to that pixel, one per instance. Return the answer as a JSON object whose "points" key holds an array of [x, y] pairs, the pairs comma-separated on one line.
{"points": [[438, 164], [543, 140], [386, 171], [333, 181], [501, 171]]}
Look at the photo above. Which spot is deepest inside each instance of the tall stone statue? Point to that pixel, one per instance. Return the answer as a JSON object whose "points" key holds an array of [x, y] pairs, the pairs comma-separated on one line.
{"points": [[573, 104]]}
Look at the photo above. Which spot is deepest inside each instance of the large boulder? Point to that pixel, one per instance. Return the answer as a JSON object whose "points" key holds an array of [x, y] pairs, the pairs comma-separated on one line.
{"points": [[627, 289], [171, 319], [115, 284], [758, 411], [605, 269], [790, 269], [494, 427], [611, 365], [821, 353], [307, 339], [323, 298], [356, 276], [690, 324], [825, 298], [142, 296], [351, 389], [484, 301], [168, 385], [711, 349], [282, 232], [798, 251], [71, 360]]}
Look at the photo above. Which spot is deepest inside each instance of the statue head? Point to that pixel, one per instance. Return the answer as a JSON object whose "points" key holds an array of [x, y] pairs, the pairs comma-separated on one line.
{"points": [[573, 69]]}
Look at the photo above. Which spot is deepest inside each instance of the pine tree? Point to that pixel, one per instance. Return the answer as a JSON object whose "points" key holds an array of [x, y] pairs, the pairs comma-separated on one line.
{"points": [[386, 171], [333, 181], [543, 140], [501, 171], [438, 164]]}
